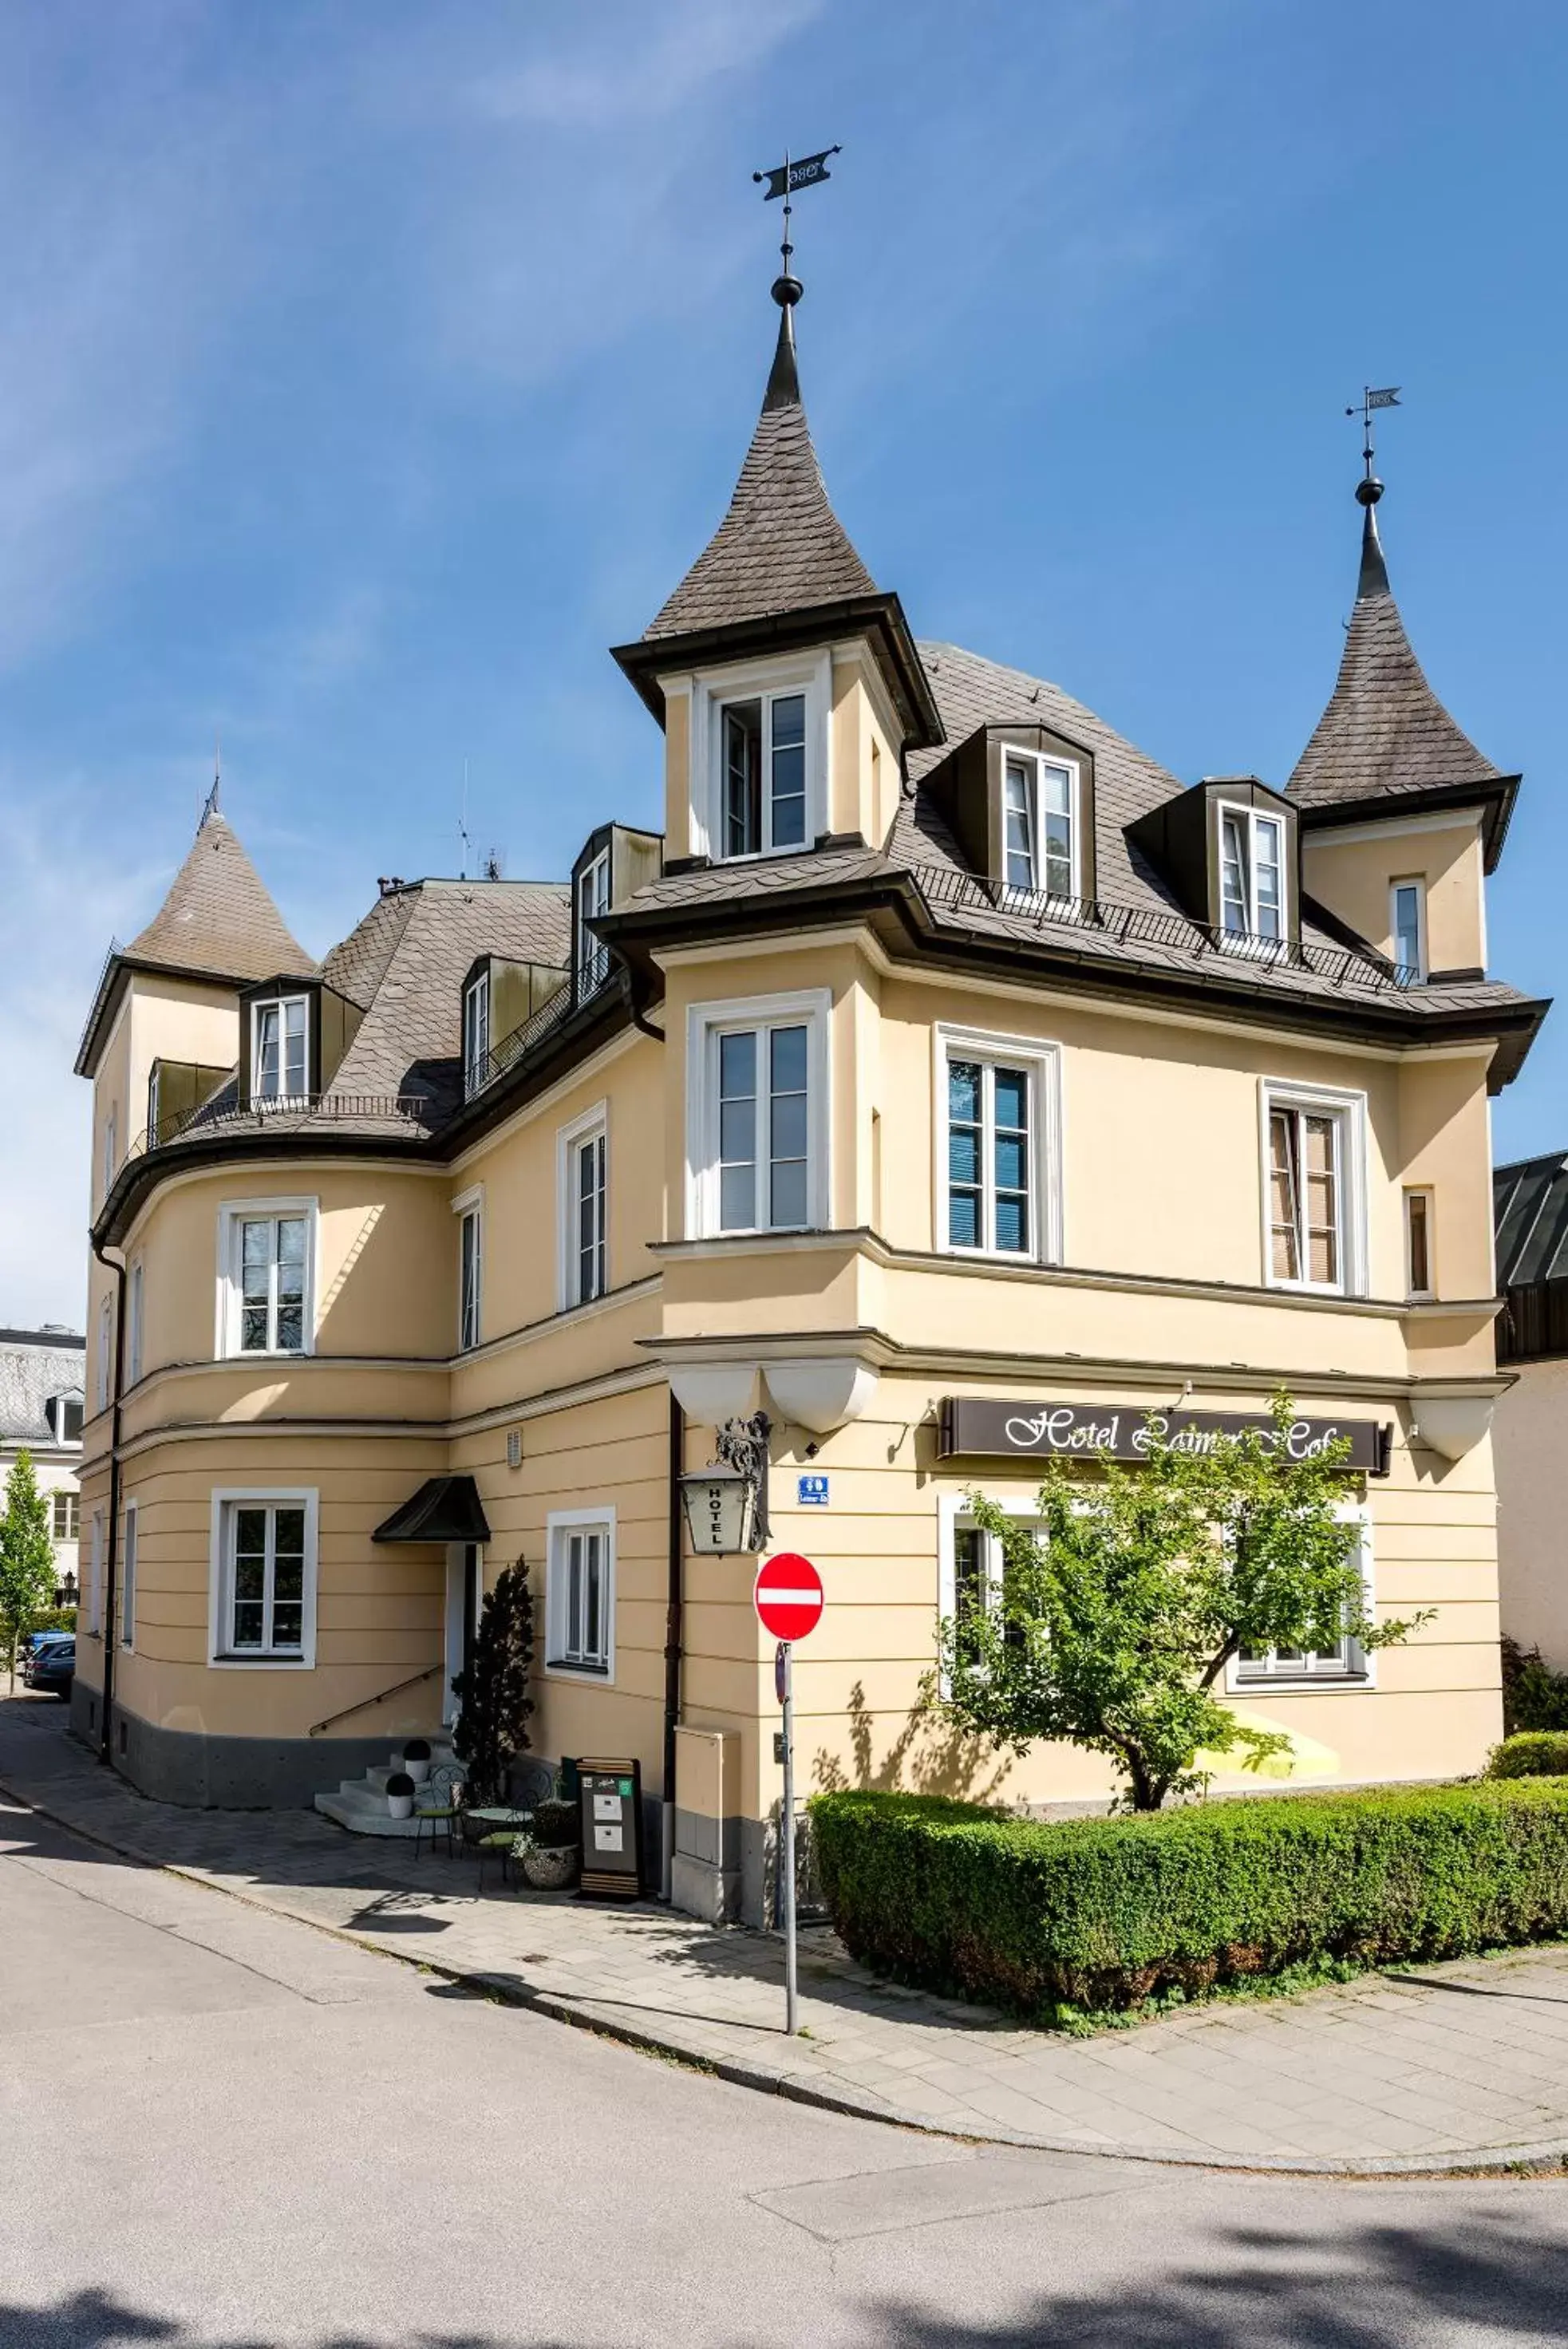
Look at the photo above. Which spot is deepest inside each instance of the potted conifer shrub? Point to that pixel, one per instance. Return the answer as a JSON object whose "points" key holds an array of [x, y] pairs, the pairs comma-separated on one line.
{"points": [[400, 1795]]}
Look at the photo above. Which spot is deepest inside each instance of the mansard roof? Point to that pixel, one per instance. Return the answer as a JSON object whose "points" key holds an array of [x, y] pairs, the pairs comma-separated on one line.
{"points": [[1384, 736], [780, 547]]}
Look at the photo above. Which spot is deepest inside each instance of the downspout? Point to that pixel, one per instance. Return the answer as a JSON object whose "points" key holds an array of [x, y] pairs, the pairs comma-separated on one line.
{"points": [[106, 1626], [673, 1642]]}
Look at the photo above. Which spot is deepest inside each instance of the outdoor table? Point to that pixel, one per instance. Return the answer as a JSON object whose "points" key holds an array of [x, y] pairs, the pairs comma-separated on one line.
{"points": [[491, 1818]]}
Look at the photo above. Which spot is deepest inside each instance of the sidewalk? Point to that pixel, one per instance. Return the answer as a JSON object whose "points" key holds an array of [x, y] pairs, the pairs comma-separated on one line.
{"points": [[1456, 2066]]}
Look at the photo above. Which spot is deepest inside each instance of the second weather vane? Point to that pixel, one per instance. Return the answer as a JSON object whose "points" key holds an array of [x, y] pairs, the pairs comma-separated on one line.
{"points": [[786, 178]]}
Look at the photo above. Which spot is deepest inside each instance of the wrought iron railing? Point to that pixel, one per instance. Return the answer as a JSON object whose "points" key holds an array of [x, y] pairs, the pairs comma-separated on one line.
{"points": [[587, 982], [944, 889], [364, 1703], [220, 1121]]}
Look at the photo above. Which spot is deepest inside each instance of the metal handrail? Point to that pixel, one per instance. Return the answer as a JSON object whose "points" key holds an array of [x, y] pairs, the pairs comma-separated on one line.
{"points": [[366, 1701], [580, 988], [288, 1109], [946, 887]]}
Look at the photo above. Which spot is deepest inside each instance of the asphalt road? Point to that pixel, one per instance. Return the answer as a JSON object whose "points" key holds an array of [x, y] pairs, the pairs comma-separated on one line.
{"points": [[220, 2127]]}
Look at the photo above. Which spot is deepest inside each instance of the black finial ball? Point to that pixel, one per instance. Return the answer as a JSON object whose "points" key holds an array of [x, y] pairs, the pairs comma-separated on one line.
{"points": [[787, 291], [1368, 491]]}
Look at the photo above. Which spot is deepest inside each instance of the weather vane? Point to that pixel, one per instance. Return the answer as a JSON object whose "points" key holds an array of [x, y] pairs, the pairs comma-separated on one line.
{"points": [[786, 178], [1387, 398]]}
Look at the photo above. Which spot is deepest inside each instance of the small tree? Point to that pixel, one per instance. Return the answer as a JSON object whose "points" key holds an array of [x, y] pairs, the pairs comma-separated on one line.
{"points": [[493, 1692], [1116, 1618], [27, 1558]]}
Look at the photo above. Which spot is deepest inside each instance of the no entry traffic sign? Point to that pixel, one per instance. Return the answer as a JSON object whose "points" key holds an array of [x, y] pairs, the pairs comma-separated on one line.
{"points": [[788, 1597]]}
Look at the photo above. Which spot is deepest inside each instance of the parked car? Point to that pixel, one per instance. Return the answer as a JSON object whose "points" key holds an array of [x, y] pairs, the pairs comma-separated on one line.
{"points": [[36, 1645], [52, 1668]]}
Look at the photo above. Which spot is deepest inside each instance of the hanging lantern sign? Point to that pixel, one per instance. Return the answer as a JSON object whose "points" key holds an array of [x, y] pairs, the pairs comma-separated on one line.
{"points": [[721, 1505]]}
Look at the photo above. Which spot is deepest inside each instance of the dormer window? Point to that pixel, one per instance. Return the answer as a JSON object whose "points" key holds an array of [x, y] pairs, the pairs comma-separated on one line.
{"points": [[475, 1033], [279, 1052], [759, 757], [593, 899], [1039, 825], [1407, 909], [66, 1418], [1251, 873]]}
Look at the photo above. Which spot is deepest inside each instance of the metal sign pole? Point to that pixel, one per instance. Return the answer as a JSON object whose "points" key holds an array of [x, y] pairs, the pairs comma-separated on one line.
{"points": [[786, 1690]]}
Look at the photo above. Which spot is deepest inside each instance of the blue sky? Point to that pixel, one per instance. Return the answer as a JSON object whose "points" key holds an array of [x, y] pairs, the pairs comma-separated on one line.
{"points": [[365, 370]]}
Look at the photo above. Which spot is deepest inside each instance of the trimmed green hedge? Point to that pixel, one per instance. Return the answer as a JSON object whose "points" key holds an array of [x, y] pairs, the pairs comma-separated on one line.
{"points": [[1102, 1913], [1531, 1754]]}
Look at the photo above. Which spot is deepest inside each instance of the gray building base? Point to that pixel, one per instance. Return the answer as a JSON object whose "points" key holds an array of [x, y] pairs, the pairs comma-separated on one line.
{"points": [[223, 1773]]}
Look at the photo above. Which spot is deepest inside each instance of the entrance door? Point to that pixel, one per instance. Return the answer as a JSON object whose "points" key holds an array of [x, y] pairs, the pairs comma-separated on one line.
{"points": [[461, 1617]]}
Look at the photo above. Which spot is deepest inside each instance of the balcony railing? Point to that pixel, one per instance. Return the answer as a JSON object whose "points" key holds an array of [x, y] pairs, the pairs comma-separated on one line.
{"points": [[589, 981], [411, 1112], [945, 889]]}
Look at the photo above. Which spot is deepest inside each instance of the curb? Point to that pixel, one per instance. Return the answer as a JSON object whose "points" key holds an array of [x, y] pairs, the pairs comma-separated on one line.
{"points": [[801, 2087]]}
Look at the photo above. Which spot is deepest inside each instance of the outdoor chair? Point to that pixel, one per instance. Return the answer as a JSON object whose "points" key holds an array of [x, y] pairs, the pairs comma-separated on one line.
{"points": [[438, 1806], [506, 1845]]}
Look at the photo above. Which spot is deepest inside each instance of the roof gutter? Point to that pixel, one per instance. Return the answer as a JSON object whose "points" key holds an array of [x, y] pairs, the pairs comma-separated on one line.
{"points": [[1495, 795]]}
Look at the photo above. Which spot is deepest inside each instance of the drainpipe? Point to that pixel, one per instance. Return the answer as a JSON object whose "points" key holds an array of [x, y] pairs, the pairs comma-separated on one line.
{"points": [[672, 1637], [105, 1748]]}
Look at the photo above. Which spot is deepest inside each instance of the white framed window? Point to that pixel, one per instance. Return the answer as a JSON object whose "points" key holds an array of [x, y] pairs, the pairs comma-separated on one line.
{"points": [[65, 1516], [759, 757], [1040, 823], [111, 1145], [133, 1298], [1420, 1273], [129, 1545], [757, 1095], [104, 1350], [469, 1210], [65, 1417], [1347, 1664], [970, 1561], [154, 1088], [582, 1191], [593, 899], [280, 1053], [95, 1579], [1315, 1189], [1407, 925], [263, 1577], [475, 1033], [579, 1595], [1251, 873], [997, 1156], [266, 1289]]}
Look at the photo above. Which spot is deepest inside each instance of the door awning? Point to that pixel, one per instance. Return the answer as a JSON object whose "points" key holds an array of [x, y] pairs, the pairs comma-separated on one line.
{"points": [[444, 1509]]}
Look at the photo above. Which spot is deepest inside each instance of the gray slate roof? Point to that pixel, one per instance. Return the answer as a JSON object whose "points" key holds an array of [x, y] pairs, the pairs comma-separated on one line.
{"points": [[1530, 1208], [35, 1365], [219, 917], [781, 547], [1385, 732], [406, 962], [971, 692]]}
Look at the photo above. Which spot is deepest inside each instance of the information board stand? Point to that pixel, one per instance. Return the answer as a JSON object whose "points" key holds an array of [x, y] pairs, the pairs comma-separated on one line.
{"points": [[610, 1798]]}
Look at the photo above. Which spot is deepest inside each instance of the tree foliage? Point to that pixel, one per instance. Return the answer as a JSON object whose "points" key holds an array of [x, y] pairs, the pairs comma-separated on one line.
{"points": [[493, 1692], [26, 1556], [1118, 1615]]}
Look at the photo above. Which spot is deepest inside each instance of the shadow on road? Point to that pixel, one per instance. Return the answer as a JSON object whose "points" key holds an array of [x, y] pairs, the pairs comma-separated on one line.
{"points": [[1459, 2276]]}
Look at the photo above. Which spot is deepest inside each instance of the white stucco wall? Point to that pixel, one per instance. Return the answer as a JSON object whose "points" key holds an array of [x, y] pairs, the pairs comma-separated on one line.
{"points": [[1529, 1447]]}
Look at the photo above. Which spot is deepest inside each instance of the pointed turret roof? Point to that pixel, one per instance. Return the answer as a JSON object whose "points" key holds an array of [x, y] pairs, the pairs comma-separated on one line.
{"points": [[1384, 734], [219, 917], [781, 547]]}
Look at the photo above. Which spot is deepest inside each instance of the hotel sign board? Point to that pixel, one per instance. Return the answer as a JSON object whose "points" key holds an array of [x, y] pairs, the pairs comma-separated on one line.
{"points": [[976, 1427]]}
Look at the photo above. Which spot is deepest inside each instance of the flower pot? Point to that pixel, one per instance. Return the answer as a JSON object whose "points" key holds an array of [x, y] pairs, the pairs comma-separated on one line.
{"points": [[418, 1771], [401, 1806], [550, 1867]]}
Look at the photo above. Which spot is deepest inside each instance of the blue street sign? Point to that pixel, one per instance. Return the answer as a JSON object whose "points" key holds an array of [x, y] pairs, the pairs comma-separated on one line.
{"points": [[811, 1492]]}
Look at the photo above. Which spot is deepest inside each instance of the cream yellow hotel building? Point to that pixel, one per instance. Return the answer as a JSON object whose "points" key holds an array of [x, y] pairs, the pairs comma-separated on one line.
{"points": [[946, 1083]]}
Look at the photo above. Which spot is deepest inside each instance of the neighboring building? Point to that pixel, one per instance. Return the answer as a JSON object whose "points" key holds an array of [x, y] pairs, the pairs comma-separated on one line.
{"points": [[946, 1080], [1530, 1436], [41, 1402]]}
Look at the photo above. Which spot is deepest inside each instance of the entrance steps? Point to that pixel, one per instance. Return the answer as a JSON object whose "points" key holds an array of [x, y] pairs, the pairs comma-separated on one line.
{"points": [[361, 1804]]}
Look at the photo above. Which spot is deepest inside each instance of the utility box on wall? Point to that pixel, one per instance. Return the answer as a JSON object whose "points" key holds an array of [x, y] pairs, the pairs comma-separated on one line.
{"points": [[705, 1866]]}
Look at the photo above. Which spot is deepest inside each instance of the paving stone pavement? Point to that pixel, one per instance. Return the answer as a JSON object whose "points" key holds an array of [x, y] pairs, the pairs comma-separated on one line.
{"points": [[1449, 2066]]}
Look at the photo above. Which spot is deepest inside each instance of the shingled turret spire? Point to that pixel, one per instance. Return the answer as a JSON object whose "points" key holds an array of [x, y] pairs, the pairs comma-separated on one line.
{"points": [[1385, 733], [219, 915], [781, 547]]}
